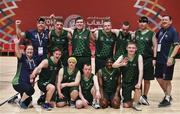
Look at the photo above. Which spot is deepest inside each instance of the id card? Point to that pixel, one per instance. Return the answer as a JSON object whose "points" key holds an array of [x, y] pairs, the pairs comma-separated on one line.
{"points": [[40, 50], [159, 48]]}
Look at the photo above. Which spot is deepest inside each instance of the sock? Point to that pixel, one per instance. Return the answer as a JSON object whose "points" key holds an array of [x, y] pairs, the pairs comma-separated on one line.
{"points": [[135, 103], [94, 100], [167, 98], [46, 102]]}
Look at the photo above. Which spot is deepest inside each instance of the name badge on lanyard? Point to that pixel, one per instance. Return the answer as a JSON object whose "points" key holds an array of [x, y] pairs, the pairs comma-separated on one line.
{"points": [[159, 43], [159, 47], [40, 48]]}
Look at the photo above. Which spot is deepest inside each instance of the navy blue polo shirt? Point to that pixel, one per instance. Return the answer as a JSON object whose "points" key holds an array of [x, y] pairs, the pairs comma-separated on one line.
{"points": [[24, 69], [38, 40], [168, 38]]}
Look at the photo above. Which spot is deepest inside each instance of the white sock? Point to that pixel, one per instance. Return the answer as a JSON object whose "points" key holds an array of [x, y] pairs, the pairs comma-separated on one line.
{"points": [[167, 98]]}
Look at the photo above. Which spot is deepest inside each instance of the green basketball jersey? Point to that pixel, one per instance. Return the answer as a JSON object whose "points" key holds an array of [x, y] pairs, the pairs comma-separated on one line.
{"points": [[69, 77], [80, 43], [121, 44], [130, 72], [60, 42], [105, 44], [50, 73], [86, 84], [144, 43], [109, 79]]}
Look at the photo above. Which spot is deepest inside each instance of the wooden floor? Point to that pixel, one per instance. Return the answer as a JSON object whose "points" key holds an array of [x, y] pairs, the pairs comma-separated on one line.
{"points": [[8, 69]]}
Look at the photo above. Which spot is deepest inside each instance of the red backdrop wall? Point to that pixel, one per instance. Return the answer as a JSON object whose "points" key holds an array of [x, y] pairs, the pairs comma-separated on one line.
{"points": [[92, 10], [118, 10]]}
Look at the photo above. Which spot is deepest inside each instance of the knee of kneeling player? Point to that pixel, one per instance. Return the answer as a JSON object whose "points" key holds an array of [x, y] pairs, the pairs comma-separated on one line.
{"points": [[127, 105], [104, 103], [115, 103], [79, 104], [74, 94]]}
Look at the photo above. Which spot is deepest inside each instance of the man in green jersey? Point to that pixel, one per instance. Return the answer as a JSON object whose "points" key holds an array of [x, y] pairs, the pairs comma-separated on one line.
{"points": [[131, 65], [61, 39], [105, 43], [68, 84], [81, 40], [124, 36], [48, 71], [147, 45], [89, 89], [109, 82]]}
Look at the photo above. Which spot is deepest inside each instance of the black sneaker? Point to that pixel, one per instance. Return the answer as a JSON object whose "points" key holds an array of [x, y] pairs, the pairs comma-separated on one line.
{"points": [[13, 100], [164, 103], [41, 100], [22, 105], [171, 98], [30, 105], [72, 104], [46, 106]]}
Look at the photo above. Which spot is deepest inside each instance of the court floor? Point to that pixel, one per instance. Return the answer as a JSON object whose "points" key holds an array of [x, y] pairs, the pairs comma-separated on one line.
{"points": [[8, 69]]}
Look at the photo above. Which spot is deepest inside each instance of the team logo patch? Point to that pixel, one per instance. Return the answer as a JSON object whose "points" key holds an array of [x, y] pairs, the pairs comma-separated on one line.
{"points": [[147, 39], [101, 38]]}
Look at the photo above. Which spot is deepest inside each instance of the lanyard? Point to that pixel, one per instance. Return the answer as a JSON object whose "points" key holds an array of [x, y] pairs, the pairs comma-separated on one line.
{"points": [[40, 38], [162, 37], [29, 63]]}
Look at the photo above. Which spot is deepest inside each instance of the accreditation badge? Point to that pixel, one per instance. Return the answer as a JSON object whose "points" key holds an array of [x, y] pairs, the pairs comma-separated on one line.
{"points": [[159, 48], [40, 50]]}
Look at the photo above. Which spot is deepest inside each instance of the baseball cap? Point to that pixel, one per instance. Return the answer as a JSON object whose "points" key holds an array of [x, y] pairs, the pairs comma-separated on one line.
{"points": [[143, 19]]}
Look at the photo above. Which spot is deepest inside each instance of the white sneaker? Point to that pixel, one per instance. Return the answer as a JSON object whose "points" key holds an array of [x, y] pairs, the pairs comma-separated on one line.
{"points": [[95, 105], [143, 101], [136, 107]]}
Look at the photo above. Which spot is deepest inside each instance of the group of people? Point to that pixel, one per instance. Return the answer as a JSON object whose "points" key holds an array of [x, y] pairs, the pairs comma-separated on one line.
{"points": [[123, 60]]}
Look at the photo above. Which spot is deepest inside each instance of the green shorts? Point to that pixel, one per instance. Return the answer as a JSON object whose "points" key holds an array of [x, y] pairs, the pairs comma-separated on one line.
{"points": [[42, 86], [66, 92], [88, 96], [127, 89], [109, 95]]}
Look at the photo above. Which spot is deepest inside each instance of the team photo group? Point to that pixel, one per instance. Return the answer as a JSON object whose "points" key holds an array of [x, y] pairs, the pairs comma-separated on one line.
{"points": [[102, 67]]}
